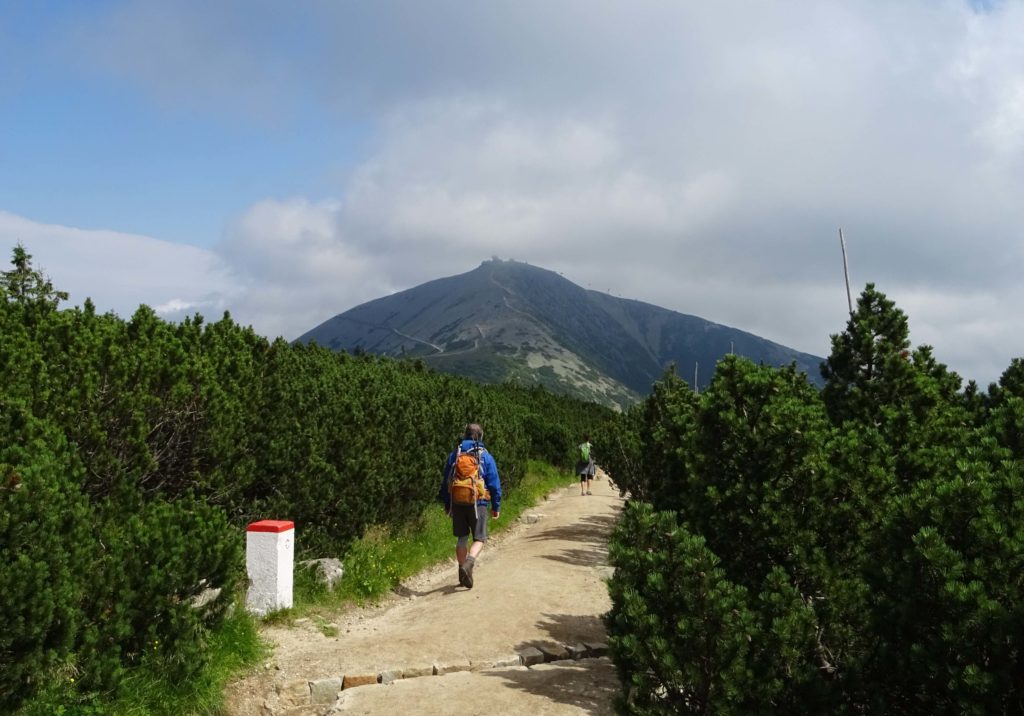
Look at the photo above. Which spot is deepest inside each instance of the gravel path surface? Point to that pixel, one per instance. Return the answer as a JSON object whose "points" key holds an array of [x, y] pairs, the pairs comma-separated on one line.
{"points": [[539, 585]]}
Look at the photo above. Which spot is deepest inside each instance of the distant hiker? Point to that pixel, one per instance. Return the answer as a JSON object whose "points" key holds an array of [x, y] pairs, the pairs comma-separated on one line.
{"points": [[470, 489], [585, 466]]}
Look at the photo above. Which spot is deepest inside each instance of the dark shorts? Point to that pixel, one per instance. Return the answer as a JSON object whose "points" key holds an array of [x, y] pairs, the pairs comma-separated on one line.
{"points": [[585, 470], [467, 520]]}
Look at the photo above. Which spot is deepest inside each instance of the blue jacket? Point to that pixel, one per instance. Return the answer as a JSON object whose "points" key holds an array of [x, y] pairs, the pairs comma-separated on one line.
{"points": [[490, 474]]}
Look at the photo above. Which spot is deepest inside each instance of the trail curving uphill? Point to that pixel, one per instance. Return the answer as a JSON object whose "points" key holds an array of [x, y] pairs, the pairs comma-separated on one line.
{"points": [[436, 347], [506, 292], [539, 593], [463, 351]]}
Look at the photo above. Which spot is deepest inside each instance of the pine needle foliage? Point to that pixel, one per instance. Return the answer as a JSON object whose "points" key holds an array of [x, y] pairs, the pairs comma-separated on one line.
{"points": [[854, 550]]}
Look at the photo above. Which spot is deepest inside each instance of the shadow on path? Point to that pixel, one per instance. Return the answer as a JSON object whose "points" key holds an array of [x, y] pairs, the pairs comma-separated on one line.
{"points": [[591, 528], [589, 684], [570, 629], [404, 591], [590, 533], [581, 557]]}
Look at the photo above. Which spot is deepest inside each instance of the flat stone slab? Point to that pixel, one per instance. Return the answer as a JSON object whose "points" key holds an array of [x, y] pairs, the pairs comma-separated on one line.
{"points": [[352, 681], [388, 676], [577, 651], [596, 648], [412, 672], [531, 655], [554, 652], [450, 667], [500, 662], [325, 691]]}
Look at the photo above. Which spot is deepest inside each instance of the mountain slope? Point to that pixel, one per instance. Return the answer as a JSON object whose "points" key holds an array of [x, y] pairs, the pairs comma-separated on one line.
{"points": [[511, 321]]}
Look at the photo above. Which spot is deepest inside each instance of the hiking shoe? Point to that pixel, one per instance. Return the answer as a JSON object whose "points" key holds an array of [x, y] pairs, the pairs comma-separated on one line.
{"points": [[467, 570], [589, 492], [462, 577]]}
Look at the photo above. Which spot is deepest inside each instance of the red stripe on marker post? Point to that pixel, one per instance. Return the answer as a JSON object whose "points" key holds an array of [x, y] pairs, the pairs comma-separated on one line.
{"points": [[271, 526]]}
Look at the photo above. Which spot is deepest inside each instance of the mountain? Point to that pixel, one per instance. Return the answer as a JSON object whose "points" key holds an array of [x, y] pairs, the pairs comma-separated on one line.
{"points": [[507, 320]]}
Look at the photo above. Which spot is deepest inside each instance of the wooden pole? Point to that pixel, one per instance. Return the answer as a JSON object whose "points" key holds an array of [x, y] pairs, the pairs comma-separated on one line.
{"points": [[846, 271]]}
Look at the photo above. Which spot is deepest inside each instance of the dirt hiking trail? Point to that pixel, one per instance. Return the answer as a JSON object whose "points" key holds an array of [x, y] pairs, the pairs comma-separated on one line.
{"points": [[526, 639]]}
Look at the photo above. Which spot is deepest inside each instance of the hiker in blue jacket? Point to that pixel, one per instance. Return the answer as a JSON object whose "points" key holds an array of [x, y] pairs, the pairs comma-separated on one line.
{"points": [[470, 488]]}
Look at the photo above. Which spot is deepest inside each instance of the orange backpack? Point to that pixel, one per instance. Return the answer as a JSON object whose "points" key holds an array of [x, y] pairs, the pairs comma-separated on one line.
{"points": [[466, 484]]}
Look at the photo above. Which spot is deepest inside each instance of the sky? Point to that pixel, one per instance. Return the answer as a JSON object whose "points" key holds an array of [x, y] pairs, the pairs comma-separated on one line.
{"points": [[288, 161]]}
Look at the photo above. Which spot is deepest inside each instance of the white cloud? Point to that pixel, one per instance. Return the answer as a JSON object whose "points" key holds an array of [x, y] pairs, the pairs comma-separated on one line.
{"points": [[447, 182], [175, 306], [120, 271], [200, 55], [987, 72], [698, 156], [298, 266]]}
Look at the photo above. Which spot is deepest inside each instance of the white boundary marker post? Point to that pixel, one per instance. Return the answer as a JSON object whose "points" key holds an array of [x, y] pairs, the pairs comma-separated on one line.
{"points": [[269, 560]]}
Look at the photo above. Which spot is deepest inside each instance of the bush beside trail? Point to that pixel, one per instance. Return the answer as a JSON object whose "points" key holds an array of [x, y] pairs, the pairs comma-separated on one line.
{"points": [[857, 550], [133, 453]]}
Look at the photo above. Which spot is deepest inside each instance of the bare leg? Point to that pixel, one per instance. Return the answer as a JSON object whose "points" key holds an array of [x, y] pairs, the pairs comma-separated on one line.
{"points": [[474, 550]]}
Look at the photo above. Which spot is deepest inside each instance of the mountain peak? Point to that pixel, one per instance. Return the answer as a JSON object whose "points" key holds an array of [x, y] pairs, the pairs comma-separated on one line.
{"points": [[510, 320]]}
